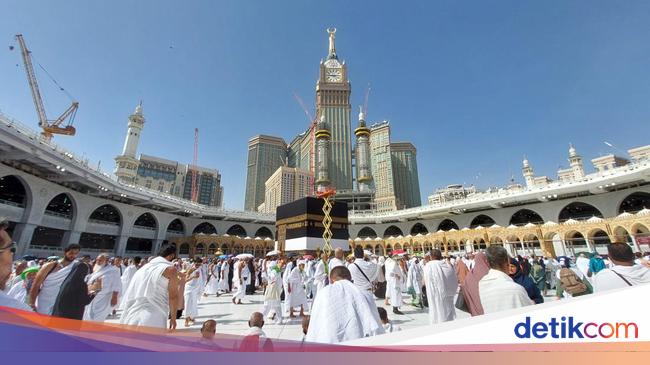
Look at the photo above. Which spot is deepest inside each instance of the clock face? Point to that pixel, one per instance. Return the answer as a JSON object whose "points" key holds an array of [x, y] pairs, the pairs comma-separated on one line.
{"points": [[333, 75]]}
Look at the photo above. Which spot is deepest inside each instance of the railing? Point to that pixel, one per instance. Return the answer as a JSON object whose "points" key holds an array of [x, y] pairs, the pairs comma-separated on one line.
{"points": [[7, 202], [57, 214], [104, 223], [145, 228]]}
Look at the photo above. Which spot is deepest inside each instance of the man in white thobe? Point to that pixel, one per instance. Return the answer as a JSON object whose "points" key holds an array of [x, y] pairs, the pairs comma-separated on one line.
{"points": [[106, 278], [285, 285], [338, 259], [625, 271], [242, 278], [363, 271], [397, 283], [129, 271], [152, 295], [296, 289], [310, 268], [320, 274], [389, 266], [223, 277], [205, 274], [497, 290], [442, 284], [192, 292], [582, 263], [342, 312], [49, 278]]}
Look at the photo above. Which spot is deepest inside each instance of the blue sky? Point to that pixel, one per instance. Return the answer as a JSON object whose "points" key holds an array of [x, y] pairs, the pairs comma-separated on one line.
{"points": [[475, 85]]}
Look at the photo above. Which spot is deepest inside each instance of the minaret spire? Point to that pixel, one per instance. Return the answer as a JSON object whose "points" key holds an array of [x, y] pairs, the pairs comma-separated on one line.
{"points": [[332, 48]]}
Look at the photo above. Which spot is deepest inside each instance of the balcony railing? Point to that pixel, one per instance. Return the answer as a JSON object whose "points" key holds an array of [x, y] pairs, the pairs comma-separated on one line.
{"points": [[57, 214], [145, 228], [7, 202], [104, 223]]}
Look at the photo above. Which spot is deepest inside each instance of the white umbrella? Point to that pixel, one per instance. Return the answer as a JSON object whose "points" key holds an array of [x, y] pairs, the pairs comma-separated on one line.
{"points": [[242, 256], [273, 253]]}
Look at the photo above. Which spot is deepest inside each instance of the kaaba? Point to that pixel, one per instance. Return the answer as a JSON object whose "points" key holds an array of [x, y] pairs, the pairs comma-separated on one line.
{"points": [[300, 225]]}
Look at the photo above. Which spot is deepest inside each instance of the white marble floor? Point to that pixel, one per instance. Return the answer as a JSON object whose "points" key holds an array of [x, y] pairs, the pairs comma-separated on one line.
{"points": [[233, 319]]}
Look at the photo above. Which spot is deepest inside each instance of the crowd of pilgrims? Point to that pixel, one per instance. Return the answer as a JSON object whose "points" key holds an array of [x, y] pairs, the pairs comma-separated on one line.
{"points": [[339, 293]]}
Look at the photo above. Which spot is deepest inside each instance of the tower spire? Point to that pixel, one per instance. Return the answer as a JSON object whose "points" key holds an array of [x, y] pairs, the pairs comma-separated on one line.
{"points": [[332, 48], [362, 116]]}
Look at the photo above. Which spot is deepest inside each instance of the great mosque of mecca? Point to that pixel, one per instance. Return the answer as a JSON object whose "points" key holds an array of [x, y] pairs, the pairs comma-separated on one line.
{"points": [[52, 198]]}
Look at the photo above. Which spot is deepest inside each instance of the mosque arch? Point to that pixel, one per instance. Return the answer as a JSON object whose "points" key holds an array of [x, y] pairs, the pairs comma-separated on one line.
{"points": [[212, 249], [205, 228], [482, 220], [184, 249], [367, 232], [106, 214], [635, 202], [600, 239], [393, 231], [237, 230], [14, 191], [176, 227], [199, 250], [447, 225], [264, 232], [224, 249], [61, 205], [578, 211], [147, 221], [525, 216], [418, 228], [576, 242]]}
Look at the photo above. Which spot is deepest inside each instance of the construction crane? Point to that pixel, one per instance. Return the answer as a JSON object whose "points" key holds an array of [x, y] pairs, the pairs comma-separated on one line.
{"points": [[49, 127], [195, 167], [312, 131]]}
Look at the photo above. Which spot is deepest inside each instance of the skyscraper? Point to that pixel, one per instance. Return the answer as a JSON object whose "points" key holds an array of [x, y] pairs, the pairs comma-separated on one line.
{"points": [[284, 186], [405, 175], [299, 151], [382, 167], [265, 155], [333, 102]]}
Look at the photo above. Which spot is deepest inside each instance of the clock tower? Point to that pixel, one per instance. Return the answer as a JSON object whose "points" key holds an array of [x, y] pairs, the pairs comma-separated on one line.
{"points": [[333, 103]]}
